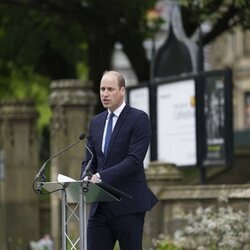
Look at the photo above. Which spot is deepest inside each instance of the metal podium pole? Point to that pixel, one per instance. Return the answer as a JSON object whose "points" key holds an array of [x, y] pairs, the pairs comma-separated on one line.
{"points": [[74, 197], [64, 224], [83, 219]]}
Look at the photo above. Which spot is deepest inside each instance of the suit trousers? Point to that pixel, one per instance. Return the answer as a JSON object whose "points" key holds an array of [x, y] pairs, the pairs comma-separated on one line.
{"points": [[105, 228]]}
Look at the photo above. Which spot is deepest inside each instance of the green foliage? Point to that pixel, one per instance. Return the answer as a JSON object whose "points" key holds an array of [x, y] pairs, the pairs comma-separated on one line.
{"points": [[24, 84], [165, 244], [26, 34], [116, 247], [153, 22], [232, 12], [42, 41], [35, 48]]}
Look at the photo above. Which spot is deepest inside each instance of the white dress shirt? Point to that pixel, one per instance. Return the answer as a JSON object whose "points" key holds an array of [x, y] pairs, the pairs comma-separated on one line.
{"points": [[116, 113]]}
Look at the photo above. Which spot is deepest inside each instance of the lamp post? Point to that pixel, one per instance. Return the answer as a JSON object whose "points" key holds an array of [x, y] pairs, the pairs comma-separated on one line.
{"points": [[200, 69], [152, 62]]}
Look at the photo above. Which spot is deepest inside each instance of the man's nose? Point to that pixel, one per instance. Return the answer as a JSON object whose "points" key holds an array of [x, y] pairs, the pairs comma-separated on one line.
{"points": [[105, 93]]}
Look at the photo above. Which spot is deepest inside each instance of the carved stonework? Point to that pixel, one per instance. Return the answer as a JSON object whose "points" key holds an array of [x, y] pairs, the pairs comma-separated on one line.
{"points": [[17, 110], [12, 111], [19, 145], [69, 93], [163, 171]]}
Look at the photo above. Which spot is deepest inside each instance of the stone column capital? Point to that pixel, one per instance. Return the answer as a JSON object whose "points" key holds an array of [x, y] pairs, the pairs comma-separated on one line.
{"points": [[71, 92], [18, 110]]}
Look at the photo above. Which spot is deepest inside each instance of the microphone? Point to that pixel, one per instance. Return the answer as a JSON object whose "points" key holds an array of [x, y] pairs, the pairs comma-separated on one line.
{"points": [[86, 171], [41, 171]]}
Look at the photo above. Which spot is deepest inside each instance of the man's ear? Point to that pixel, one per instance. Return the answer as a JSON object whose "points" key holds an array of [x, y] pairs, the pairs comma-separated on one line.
{"points": [[123, 91]]}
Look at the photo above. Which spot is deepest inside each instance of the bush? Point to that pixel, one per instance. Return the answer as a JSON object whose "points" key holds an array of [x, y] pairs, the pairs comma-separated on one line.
{"points": [[162, 243], [211, 229]]}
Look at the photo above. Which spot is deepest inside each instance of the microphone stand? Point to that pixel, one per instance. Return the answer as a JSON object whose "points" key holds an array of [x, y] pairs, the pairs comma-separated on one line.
{"points": [[86, 171], [41, 174]]}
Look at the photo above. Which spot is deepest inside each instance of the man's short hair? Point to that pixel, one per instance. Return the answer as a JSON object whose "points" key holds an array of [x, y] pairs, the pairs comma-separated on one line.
{"points": [[119, 76]]}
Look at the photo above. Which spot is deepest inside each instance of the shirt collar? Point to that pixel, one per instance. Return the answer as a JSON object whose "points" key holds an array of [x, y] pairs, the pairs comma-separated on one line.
{"points": [[118, 111]]}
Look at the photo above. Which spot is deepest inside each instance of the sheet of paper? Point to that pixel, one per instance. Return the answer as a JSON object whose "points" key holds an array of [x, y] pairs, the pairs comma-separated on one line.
{"points": [[63, 178]]}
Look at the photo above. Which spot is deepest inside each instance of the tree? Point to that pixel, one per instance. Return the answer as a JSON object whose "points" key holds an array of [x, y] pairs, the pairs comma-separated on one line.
{"points": [[54, 38], [223, 16]]}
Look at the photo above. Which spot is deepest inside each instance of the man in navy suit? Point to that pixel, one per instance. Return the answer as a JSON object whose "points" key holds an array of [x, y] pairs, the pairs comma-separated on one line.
{"points": [[120, 165]]}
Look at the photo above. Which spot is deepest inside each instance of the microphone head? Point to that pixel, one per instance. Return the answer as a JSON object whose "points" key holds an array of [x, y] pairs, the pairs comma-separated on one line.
{"points": [[82, 136]]}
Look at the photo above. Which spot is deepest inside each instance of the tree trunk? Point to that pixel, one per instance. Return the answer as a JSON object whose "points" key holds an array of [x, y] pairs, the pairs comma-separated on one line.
{"points": [[133, 47], [53, 65], [99, 60]]}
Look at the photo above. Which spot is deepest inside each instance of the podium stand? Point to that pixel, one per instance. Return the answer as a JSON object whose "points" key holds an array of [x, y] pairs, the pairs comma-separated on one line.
{"points": [[80, 193]]}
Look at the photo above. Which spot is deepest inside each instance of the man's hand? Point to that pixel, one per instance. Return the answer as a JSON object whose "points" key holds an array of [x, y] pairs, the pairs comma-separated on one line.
{"points": [[95, 178]]}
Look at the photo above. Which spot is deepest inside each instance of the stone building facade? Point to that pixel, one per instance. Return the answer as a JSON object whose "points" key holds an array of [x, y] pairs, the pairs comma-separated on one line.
{"points": [[233, 50]]}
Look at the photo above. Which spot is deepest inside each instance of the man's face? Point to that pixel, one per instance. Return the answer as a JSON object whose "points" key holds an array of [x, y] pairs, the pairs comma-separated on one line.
{"points": [[110, 93]]}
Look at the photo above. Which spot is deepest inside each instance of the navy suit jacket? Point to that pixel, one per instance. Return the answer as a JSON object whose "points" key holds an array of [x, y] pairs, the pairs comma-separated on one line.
{"points": [[122, 167]]}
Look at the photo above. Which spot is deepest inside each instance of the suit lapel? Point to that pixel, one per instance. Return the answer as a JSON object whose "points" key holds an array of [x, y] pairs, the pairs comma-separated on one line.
{"points": [[118, 125], [101, 130]]}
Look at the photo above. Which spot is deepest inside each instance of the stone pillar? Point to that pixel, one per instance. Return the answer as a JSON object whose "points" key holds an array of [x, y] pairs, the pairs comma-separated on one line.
{"points": [[18, 145], [159, 174], [72, 104], [2, 200]]}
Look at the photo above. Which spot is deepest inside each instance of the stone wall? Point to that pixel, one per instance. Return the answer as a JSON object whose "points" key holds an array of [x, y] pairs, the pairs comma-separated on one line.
{"points": [[19, 145], [176, 200], [180, 200]]}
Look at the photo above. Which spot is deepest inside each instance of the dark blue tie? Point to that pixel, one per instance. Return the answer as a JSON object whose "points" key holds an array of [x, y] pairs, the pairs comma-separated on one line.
{"points": [[108, 132]]}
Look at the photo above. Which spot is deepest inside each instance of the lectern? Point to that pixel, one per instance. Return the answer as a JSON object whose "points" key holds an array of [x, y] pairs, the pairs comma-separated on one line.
{"points": [[80, 193]]}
